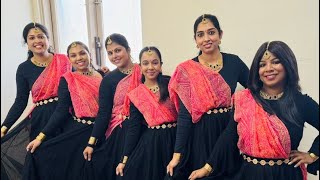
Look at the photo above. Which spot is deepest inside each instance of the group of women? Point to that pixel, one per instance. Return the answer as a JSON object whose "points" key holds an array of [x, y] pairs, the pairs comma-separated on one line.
{"points": [[136, 123]]}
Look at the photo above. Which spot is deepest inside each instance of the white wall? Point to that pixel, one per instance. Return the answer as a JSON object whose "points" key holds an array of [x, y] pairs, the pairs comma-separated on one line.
{"points": [[168, 24], [15, 14]]}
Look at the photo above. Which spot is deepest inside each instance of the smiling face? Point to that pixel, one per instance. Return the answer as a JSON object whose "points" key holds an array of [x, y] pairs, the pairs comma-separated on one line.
{"points": [[207, 37], [118, 55], [37, 41], [79, 57], [150, 65], [272, 73]]}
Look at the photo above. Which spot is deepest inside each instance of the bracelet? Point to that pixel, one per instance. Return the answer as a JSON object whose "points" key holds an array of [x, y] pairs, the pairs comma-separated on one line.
{"points": [[208, 168], [177, 155], [124, 160], [92, 141], [4, 129], [313, 156], [41, 136]]}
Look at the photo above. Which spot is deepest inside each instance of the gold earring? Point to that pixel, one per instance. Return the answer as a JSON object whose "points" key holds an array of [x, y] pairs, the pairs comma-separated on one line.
{"points": [[197, 46], [219, 42]]}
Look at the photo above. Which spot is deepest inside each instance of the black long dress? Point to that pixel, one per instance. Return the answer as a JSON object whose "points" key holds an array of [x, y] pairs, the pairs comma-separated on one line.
{"points": [[309, 111], [13, 144], [107, 154], [196, 141]]}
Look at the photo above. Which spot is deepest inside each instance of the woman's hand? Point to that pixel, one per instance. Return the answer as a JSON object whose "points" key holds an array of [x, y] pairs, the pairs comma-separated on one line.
{"points": [[33, 145], [119, 169], [200, 173], [299, 157], [87, 153], [173, 163]]}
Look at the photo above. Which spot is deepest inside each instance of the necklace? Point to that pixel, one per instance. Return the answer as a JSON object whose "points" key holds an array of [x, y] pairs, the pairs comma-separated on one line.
{"points": [[270, 97], [87, 73], [154, 89], [40, 64], [128, 71], [216, 66]]}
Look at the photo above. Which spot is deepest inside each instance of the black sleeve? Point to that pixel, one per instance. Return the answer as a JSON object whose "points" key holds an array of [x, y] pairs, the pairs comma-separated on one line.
{"points": [[244, 74], [183, 128], [61, 113], [21, 100], [105, 109], [311, 114], [134, 126], [225, 157]]}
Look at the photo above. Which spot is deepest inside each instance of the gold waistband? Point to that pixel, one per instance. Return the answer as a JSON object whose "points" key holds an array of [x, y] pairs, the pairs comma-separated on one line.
{"points": [[265, 162], [163, 126], [83, 121], [43, 102], [219, 110]]}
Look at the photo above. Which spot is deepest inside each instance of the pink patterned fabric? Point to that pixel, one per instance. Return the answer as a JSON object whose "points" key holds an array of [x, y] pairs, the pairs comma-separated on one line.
{"points": [[260, 134], [155, 113], [121, 102], [199, 88], [84, 92], [47, 83]]}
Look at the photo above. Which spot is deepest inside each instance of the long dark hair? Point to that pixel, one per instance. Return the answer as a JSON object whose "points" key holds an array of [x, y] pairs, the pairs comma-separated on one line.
{"points": [[162, 80], [288, 108], [209, 17], [25, 33]]}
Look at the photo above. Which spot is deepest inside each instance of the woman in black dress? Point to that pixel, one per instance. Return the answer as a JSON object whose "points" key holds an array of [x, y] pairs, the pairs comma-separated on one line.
{"points": [[151, 128], [202, 89], [40, 74], [105, 145], [267, 122], [61, 157]]}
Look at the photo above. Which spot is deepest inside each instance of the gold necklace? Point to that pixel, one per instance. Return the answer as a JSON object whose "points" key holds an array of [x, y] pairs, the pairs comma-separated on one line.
{"points": [[128, 71], [87, 73], [154, 89], [216, 66], [270, 97], [40, 64]]}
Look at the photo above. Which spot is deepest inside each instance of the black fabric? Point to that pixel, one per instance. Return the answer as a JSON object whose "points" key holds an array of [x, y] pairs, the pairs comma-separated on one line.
{"points": [[105, 158], [13, 144], [60, 157], [309, 111], [106, 95]]}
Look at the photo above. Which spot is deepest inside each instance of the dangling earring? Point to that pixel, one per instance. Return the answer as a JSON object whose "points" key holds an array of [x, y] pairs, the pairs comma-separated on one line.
{"points": [[197, 46], [219, 42]]}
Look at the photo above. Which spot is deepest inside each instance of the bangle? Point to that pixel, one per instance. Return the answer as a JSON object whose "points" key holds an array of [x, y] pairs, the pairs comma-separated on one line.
{"points": [[92, 141], [41, 136], [4, 129], [313, 156], [124, 160], [208, 168], [177, 155]]}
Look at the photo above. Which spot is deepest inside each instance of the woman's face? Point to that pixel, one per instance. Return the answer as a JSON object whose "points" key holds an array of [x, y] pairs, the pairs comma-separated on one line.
{"points": [[79, 57], [272, 73], [118, 55], [150, 65], [207, 37], [37, 41]]}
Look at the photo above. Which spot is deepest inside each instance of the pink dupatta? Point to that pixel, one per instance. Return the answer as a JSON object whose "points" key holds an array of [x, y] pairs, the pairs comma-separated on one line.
{"points": [[155, 113], [199, 88], [260, 134], [47, 83], [84, 92], [121, 102]]}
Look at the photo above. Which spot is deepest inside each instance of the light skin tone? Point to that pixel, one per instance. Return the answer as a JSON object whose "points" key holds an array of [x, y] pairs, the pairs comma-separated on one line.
{"points": [[150, 67], [79, 58], [273, 75], [120, 57], [38, 43], [207, 38]]}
